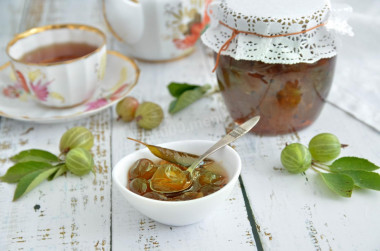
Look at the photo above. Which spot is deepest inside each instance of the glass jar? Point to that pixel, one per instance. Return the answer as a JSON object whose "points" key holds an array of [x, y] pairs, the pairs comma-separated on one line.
{"points": [[288, 97], [274, 58]]}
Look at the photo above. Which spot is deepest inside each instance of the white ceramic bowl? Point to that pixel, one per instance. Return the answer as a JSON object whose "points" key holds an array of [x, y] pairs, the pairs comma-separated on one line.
{"points": [[179, 213]]}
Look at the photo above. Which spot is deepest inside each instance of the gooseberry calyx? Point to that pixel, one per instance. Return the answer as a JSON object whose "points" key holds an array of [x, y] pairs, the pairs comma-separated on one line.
{"points": [[296, 158], [324, 147], [76, 137], [126, 108], [79, 161], [149, 115]]}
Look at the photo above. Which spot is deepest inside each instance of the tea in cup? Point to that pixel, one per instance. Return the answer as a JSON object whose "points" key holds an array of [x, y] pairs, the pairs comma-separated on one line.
{"points": [[60, 65], [156, 30]]}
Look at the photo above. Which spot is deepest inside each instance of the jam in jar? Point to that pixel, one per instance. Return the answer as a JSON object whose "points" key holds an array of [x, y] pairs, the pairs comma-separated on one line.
{"points": [[288, 97]]}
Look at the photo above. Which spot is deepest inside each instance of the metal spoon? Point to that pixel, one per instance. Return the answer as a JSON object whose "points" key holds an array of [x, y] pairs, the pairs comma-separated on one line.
{"points": [[228, 138]]}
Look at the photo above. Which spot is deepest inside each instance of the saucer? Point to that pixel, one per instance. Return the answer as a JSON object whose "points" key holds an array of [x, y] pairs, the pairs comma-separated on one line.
{"points": [[121, 76]]}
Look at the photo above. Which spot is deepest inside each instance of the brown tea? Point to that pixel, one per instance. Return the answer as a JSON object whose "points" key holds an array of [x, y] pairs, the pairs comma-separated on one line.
{"points": [[57, 53]]}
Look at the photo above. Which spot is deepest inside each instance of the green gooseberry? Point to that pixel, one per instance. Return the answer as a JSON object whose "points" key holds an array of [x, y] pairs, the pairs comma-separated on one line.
{"points": [[149, 115], [79, 161], [142, 168], [139, 186], [324, 147], [296, 158], [126, 108], [76, 137]]}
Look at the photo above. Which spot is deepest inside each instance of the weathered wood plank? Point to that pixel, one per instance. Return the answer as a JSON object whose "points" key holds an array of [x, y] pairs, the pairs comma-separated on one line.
{"points": [[298, 211], [292, 212], [69, 213]]}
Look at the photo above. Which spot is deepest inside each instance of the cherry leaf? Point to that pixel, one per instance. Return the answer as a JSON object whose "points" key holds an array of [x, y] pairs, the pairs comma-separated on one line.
{"points": [[176, 89], [352, 163], [19, 170], [35, 155], [339, 183], [31, 180], [363, 179]]}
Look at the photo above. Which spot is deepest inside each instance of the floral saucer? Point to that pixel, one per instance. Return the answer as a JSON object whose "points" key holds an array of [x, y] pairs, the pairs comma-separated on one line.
{"points": [[121, 76]]}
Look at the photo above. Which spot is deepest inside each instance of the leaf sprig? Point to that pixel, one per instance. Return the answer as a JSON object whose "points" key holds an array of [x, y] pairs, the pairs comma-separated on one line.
{"points": [[347, 172], [185, 95], [33, 166], [342, 175]]}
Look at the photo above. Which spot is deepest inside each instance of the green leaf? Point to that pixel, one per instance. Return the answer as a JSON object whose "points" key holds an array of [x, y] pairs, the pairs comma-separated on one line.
{"points": [[187, 98], [352, 163], [176, 89], [173, 105], [31, 180], [19, 170], [363, 179], [61, 170], [35, 155], [339, 183]]}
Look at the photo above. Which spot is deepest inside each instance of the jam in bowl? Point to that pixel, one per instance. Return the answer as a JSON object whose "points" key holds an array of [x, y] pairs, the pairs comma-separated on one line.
{"points": [[179, 211]]}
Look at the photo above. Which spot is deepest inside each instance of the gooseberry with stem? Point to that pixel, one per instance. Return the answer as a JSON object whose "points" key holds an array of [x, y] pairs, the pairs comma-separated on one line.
{"points": [[76, 137], [126, 108], [296, 158], [324, 147]]}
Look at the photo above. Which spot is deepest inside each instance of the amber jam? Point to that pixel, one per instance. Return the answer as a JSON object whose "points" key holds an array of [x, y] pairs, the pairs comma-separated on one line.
{"points": [[288, 97], [162, 175]]}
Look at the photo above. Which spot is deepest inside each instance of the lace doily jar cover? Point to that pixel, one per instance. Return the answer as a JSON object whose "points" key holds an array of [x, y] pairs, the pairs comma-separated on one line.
{"points": [[274, 58]]}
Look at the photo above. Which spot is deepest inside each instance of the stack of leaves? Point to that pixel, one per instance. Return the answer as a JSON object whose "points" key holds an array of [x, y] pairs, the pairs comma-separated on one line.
{"points": [[185, 95], [34, 166], [347, 172], [342, 175]]}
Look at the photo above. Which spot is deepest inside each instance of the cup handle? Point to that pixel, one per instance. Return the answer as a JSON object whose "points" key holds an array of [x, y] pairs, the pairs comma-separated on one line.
{"points": [[125, 19]]}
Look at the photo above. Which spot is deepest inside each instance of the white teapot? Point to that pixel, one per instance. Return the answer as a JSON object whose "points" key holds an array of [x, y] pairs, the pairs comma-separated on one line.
{"points": [[157, 30]]}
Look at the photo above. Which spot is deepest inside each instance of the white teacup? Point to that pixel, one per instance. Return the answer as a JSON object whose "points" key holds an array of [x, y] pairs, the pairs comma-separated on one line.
{"points": [[59, 83], [156, 30]]}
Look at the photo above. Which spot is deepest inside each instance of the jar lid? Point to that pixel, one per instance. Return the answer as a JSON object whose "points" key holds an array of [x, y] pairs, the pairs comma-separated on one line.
{"points": [[271, 31]]}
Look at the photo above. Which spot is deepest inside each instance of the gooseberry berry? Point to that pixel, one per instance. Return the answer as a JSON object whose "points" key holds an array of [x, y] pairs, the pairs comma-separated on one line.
{"points": [[209, 189], [149, 115], [324, 147], [296, 158], [207, 177], [76, 137], [79, 161], [155, 196], [126, 108], [143, 168], [139, 186], [188, 196]]}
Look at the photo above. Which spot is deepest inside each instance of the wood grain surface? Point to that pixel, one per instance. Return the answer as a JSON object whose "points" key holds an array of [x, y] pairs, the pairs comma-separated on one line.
{"points": [[269, 209]]}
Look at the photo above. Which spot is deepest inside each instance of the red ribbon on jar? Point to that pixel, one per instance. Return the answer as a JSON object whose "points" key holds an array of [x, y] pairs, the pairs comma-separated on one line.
{"points": [[236, 32]]}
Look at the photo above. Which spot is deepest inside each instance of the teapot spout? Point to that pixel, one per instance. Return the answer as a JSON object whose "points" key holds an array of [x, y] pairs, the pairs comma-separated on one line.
{"points": [[124, 19]]}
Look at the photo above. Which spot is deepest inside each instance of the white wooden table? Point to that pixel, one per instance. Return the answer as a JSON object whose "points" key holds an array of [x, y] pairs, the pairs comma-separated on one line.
{"points": [[269, 209]]}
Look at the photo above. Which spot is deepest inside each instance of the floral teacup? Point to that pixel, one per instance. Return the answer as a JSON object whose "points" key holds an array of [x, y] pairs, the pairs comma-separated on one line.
{"points": [[157, 30], [59, 83]]}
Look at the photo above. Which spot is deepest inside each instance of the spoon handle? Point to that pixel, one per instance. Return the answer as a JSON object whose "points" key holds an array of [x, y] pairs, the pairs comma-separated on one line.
{"points": [[228, 138]]}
